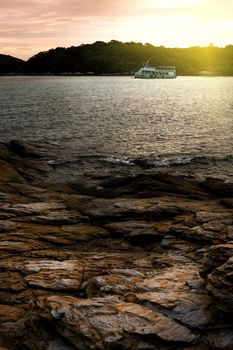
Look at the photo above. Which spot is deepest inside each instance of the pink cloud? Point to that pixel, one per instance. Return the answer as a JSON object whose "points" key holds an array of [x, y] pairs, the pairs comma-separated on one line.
{"points": [[28, 26]]}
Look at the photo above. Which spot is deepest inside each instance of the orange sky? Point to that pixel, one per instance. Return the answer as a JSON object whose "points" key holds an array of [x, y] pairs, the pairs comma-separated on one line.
{"points": [[27, 26]]}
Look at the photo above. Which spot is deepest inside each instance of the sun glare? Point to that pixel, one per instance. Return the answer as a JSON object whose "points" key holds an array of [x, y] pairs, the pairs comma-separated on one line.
{"points": [[171, 3]]}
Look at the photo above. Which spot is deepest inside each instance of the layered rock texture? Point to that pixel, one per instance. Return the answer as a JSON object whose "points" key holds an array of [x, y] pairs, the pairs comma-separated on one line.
{"points": [[112, 260]]}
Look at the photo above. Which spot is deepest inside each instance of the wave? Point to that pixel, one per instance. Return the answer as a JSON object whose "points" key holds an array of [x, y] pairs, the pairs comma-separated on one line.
{"points": [[121, 160], [160, 161], [201, 166], [167, 161]]}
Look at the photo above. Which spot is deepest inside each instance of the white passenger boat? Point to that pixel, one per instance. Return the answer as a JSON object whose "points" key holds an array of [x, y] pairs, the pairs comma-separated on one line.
{"points": [[160, 72]]}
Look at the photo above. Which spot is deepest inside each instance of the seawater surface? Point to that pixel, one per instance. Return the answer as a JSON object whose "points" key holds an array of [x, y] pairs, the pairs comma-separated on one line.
{"points": [[121, 118]]}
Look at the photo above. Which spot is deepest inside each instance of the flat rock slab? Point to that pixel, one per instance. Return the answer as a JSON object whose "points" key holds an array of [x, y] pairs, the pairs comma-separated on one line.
{"points": [[123, 208], [105, 321], [175, 292]]}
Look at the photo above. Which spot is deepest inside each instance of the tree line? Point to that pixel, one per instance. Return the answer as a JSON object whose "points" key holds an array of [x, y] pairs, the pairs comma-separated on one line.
{"points": [[116, 57], [9, 64]]}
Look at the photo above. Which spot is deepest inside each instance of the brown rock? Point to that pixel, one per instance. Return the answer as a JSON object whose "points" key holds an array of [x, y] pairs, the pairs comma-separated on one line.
{"points": [[138, 232], [206, 233], [32, 208], [13, 321], [205, 217], [112, 322], [11, 281], [220, 339], [111, 260], [9, 173], [178, 293], [220, 283], [219, 187], [10, 313], [125, 208], [192, 309], [24, 149], [216, 255]]}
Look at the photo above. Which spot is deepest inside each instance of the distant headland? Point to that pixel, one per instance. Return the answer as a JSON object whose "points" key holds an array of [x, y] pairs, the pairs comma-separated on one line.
{"points": [[118, 58]]}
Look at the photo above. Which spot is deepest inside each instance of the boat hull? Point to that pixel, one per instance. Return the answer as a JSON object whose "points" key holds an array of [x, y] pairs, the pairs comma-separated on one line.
{"points": [[160, 72], [137, 77]]}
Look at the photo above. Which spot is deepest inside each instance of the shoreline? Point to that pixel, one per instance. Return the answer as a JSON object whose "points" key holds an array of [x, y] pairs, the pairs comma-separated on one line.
{"points": [[103, 75], [107, 259]]}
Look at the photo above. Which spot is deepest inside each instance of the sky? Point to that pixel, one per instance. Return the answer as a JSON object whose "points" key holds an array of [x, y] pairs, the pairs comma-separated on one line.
{"points": [[30, 26]]}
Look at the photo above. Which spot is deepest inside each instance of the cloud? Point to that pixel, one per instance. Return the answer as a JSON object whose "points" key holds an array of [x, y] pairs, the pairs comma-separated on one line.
{"points": [[39, 25], [44, 24]]}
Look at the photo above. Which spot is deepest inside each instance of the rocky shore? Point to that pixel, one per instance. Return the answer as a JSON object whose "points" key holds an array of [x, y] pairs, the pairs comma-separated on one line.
{"points": [[112, 260]]}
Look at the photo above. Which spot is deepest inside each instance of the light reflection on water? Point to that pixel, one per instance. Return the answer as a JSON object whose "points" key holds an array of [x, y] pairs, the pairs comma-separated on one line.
{"points": [[120, 115]]}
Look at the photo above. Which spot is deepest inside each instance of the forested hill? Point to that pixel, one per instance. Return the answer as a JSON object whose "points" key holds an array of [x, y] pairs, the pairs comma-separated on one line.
{"points": [[9, 64], [116, 57]]}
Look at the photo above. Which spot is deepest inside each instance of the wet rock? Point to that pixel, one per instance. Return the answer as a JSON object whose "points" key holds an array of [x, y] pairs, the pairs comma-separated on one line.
{"points": [[9, 173], [24, 150], [219, 187], [148, 186]]}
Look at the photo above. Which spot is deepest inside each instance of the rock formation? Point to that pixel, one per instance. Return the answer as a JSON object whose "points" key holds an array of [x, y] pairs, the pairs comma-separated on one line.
{"points": [[112, 260]]}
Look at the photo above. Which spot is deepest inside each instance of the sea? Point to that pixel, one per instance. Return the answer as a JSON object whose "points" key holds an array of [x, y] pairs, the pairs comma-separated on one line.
{"points": [[180, 125]]}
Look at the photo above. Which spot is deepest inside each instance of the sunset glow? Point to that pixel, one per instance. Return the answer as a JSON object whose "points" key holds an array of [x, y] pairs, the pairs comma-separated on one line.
{"points": [[28, 27]]}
